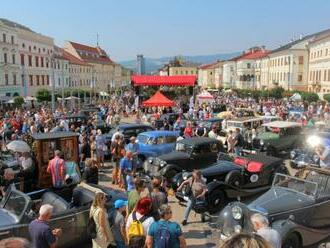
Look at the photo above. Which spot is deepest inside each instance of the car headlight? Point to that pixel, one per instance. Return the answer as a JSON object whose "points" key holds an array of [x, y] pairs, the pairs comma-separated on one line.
{"points": [[185, 175], [162, 163], [262, 142], [237, 229], [292, 154], [237, 212]]}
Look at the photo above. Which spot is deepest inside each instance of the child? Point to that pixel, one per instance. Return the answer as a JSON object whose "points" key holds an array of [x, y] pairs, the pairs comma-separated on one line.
{"points": [[130, 181]]}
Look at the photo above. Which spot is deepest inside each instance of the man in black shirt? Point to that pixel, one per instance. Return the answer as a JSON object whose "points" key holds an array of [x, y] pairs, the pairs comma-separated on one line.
{"points": [[239, 142]]}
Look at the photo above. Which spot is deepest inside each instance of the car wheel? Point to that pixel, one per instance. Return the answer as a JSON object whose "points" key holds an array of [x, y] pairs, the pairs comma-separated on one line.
{"points": [[170, 173], [234, 178], [216, 200], [293, 241]]}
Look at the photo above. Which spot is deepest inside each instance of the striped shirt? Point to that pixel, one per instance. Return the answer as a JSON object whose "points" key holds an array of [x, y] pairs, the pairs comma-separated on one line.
{"points": [[56, 168]]}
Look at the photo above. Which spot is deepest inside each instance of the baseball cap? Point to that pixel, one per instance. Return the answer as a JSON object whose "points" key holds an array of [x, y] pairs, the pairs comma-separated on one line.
{"points": [[120, 203]]}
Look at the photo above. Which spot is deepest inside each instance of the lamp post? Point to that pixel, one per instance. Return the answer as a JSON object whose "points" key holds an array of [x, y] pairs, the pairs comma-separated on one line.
{"points": [[53, 83]]}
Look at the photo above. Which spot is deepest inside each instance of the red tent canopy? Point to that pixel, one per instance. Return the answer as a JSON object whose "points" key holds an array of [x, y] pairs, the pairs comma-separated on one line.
{"points": [[163, 80], [158, 100]]}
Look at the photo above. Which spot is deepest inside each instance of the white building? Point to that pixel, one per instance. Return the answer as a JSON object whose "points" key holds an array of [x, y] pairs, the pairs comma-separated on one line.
{"points": [[229, 74], [61, 69], [10, 73], [319, 65]]}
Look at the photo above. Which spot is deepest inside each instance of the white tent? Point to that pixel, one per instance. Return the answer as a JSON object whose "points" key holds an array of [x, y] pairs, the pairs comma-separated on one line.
{"points": [[103, 93], [30, 98], [296, 97], [205, 97]]}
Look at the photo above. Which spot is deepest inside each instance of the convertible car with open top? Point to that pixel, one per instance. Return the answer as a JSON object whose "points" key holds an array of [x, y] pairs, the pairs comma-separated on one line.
{"points": [[297, 207], [71, 211]]}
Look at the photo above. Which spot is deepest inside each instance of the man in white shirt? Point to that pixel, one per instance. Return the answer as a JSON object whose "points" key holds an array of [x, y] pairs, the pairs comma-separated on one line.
{"points": [[261, 226]]}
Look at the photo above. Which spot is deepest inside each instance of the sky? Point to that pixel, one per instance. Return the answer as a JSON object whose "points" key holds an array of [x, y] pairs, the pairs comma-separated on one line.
{"points": [[157, 28]]}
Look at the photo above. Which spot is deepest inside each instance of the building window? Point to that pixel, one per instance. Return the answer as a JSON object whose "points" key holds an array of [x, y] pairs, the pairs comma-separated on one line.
{"points": [[14, 79], [300, 78], [37, 61], [14, 58], [34, 48], [47, 79], [30, 48], [22, 59], [23, 45], [4, 37], [30, 60], [6, 79], [326, 52], [42, 61], [12, 39], [329, 75], [37, 79], [325, 75], [31, 80], [5, 58], [43, 79], [39, 50], [248, 65], [301, 60], [22, 78]]}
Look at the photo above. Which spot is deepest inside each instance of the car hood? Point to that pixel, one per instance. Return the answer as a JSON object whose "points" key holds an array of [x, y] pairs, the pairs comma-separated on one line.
{"points": [[174, 156], [268, 136], [6, 219], [279, 199], [219, 168]]}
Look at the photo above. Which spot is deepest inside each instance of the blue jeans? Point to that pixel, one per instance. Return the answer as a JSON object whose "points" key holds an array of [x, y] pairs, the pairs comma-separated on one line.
{"points": [[120, 244], [190, 204], [238, 150]]}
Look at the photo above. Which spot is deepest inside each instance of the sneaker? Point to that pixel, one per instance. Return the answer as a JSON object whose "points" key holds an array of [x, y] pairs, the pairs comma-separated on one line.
{"points": [[184, 222]]}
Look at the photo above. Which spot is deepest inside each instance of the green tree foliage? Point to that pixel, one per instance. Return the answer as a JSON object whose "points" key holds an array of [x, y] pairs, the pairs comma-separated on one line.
{"points": [[18, 101], [43, 95]]}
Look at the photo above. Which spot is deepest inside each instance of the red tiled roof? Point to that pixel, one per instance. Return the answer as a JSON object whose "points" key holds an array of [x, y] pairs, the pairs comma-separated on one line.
{"points": [[208, 66], [252, 55], [91, 53], [163, 80], [73, 59]]}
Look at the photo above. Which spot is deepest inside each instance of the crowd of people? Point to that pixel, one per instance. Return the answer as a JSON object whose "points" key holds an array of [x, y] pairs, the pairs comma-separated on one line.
{"points": [[145, 219]]}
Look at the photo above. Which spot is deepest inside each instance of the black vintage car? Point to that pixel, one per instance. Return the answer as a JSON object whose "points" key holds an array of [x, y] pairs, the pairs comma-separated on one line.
{"points": [[128, 130], [297, 207], [71, 211], [240, 177], [190, 153]]}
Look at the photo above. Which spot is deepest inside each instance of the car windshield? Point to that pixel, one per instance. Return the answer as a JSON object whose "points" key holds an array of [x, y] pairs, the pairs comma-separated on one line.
{"points": [[295, 184], [15, 203], [235, 124], [143, 139], [183, 147]]}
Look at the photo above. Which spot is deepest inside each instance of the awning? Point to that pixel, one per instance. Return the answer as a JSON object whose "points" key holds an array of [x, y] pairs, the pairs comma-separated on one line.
{"points": [[164, 80], [158, 100]]}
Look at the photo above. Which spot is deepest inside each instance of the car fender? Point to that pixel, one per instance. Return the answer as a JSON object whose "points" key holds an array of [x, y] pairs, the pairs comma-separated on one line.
{"points": [[215, 185], [170, 167]]}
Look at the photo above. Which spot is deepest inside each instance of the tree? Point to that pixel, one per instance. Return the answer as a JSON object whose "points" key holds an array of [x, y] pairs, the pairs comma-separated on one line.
{"points": [[43, 95], [18, 101], [326, 97], [276, 92]]}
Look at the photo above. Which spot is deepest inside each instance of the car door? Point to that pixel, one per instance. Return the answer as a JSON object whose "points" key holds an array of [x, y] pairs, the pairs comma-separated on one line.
{"points": [[67, 222], [201, 156]]}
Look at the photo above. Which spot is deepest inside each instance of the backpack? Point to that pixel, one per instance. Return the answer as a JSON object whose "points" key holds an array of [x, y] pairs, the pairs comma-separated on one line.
{"points": [[91, 227], [135, 230], [162, 236]]}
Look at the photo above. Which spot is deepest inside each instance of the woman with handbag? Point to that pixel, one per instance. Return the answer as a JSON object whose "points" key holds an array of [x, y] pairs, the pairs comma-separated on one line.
{"points": [[104, 236], [198, 189]]}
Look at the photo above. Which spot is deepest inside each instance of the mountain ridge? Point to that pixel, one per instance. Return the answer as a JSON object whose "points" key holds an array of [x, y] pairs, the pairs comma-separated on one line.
{"points": [[153, 64]]}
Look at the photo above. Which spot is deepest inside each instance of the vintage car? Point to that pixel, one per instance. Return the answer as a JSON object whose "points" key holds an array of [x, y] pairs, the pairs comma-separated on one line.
{"points": [[128, 130], [305, 153], [156, 143], [297, 207], [244, 123], [190, 153], [241, 177], [70, 213], [278, 136], [43, 148], [170, 117], [212, 122]]}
